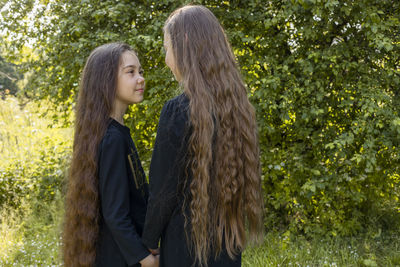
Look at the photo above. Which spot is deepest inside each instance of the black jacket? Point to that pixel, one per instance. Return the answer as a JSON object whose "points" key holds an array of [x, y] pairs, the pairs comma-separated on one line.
{"points": [[123, 196], [165, 218]]}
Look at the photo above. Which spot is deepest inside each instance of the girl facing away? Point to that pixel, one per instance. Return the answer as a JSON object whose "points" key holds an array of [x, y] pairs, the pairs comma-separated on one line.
{"points": [[205, 199], [107, 195]]}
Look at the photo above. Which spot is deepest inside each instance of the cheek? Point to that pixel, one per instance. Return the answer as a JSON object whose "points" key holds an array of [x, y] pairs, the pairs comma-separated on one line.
{"points": [[166, 60]]}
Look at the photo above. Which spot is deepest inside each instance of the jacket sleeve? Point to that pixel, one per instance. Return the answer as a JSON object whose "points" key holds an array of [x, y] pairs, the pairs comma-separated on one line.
{"points": [[163, 175], [114, 198]]}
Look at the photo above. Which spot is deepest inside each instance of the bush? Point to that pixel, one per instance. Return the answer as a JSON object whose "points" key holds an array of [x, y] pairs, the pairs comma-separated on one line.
{"points": [[36, 154], [322, 75], [31, 235]]}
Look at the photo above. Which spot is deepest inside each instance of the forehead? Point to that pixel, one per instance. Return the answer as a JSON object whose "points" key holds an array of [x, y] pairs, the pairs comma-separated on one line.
{"points": [[129, 58]]}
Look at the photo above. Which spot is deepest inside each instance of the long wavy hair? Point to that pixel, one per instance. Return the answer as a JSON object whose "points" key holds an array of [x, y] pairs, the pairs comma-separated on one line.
{"points": [[225, 192], [95, 103]]}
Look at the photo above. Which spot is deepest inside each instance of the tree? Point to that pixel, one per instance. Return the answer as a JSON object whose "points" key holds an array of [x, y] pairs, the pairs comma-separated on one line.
{"points": [[8, 77], [324, 78], [322, 75]]}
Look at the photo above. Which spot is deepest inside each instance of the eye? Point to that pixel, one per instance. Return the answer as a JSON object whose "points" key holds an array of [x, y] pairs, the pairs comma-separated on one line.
{"points": [[141, 72]]}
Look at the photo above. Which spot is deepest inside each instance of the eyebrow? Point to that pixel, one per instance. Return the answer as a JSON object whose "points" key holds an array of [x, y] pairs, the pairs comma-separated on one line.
{"points": [[131, 66]]}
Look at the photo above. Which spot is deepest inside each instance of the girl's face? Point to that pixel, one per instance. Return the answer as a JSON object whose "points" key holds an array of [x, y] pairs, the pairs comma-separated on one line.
{"points": [[130, 85], [169, 56]]}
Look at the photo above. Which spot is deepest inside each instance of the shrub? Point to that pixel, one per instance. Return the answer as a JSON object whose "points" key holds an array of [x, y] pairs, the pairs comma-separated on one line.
{"points": [[36, 153]]}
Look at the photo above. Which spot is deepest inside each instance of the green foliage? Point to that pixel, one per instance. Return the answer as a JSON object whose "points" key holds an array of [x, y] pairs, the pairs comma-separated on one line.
{"points": [[322, 75], [323, 78], [71, 30], [34, 152], [31, 235], [34, 156], [8, 78], [325, 90]]}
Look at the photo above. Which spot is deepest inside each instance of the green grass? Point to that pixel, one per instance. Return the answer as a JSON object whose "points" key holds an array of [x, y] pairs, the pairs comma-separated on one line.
{"points": [[34, 151], [364, 250], [33, 238]]}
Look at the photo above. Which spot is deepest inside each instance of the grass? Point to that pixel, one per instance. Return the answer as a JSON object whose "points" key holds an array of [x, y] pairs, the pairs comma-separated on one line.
{"points": [[33, 238], [34, 150], [31, 235], [281, 250]]}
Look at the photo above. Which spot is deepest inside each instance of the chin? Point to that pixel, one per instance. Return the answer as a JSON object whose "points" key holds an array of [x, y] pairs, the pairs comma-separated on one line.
{"points": [[139, 100]]}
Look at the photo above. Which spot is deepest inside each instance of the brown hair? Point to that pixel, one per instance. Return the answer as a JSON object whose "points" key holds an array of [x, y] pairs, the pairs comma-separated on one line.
{"points": [[226, 186], [95, 104]]}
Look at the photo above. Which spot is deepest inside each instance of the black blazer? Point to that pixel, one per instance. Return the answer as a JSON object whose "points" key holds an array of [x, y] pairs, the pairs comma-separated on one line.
{"points": [[123, 196], [165, 219]]}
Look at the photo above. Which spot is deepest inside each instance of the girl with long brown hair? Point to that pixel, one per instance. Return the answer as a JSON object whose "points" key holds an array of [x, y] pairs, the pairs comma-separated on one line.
{"points": [[107, 195], [205, 185]]}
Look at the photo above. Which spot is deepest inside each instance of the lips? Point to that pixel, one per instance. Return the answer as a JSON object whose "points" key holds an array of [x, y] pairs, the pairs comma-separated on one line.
{"points": [[140, 90]]}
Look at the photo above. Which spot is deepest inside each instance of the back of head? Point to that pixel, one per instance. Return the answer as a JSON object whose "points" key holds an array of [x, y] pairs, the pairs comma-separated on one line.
{"points": [[226, 185], [199, 43], [95, 103]]}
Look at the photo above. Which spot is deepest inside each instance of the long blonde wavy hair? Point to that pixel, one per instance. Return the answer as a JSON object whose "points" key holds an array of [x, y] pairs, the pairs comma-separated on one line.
{"points": [[226, 198]]}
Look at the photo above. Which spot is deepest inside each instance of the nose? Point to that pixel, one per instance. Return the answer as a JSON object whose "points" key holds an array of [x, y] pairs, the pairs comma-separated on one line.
{"points": [[140, 80]]}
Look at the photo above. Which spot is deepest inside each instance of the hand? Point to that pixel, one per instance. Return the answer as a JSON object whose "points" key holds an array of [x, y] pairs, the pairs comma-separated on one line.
{"points": [[150, 261], [157, 260], [155, 251]]}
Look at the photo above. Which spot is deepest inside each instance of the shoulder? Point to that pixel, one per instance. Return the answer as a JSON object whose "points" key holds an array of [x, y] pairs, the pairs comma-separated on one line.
{"points": [[113, 139], [180, 101], [174, 117], [176, 108]]}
